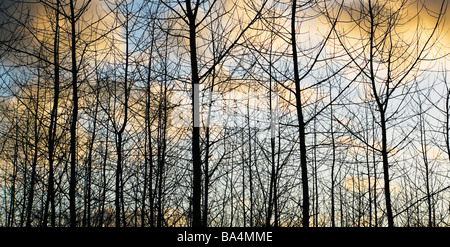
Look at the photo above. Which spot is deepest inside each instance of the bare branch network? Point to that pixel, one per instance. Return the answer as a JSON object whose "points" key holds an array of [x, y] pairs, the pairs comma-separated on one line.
{"points": [[151, 113]]}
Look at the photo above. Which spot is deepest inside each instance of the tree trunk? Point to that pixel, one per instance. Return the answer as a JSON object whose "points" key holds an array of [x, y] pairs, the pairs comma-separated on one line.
{"points": [[89, 161], [423, 144], [301, 123], [35, 156], [73, 124], [384, 153], [333, 164], [119, 198], [53, 121], [148, 180], [195, 83], [103, 196]]}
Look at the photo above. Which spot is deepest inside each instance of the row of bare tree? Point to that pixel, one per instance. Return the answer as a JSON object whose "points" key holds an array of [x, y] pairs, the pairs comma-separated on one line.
{"points": [[224, 113]]}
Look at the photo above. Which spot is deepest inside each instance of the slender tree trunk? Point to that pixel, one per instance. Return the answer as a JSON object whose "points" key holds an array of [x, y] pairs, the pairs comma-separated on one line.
{"points": [[271, 184], [301, 123], [207, 148], [52, 127], [35, 157], [119, 198], [163, 161], [384, 153], [381, 108], [32, 183], [150, 161], [146, 165], [250, 159], [89, 161], [333, 164], [148, 147], [103, 196], [315, 196], [73, 125], [277, 173], [447, 122], [206, 189], [195, 83], [423, 144], [24, 192], [161, 147], [160, 162], [11, 214], [375, 203], [369, 188], [118, 183], [208, 144]]}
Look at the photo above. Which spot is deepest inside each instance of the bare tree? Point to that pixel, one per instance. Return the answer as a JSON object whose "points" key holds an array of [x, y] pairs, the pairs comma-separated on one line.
{"points": [[387, 62]]}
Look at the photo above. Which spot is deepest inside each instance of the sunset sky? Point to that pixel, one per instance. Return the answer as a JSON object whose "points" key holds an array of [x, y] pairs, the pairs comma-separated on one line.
{"points": [[134, 69]]}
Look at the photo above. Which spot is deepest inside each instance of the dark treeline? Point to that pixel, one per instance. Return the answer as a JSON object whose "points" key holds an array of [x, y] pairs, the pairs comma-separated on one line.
{"points": [[276, 113]]}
